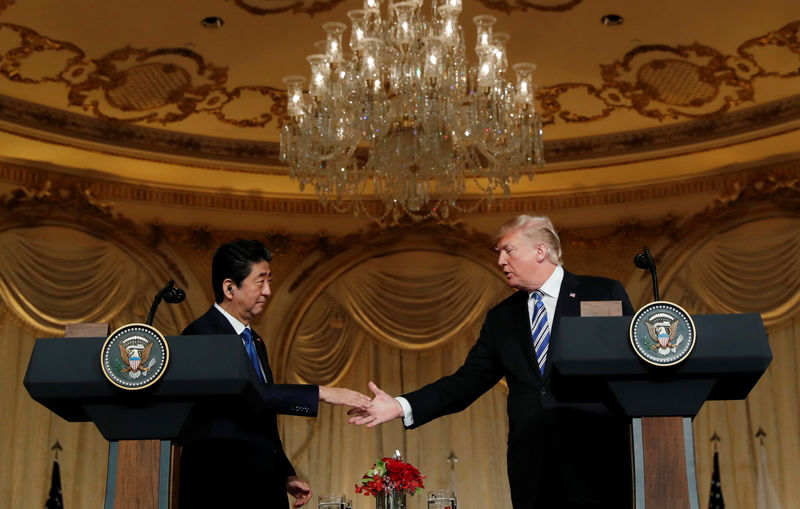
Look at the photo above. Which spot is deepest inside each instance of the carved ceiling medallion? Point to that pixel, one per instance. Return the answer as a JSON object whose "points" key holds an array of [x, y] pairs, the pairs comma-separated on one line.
{"points": [[147, 86], [687, 81], [677, 82], [127, 82]]}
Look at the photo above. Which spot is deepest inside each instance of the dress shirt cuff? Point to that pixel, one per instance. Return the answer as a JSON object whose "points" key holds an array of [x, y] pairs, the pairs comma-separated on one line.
{"points": [[408, 415]]}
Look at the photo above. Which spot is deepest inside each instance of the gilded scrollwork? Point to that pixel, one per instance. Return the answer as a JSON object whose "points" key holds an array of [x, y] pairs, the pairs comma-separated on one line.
{"points": [[664, 82], [61, 194], [786, 38], [782, 188], [14, 59], [659, 82], [555, 101], [523, 5], [5, 4], [267, 7], [135, 85], [276, 107], [168, 85]]}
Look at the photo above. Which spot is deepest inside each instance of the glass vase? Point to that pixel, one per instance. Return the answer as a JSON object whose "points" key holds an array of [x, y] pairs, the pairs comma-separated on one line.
{"points": [[390, 500]]}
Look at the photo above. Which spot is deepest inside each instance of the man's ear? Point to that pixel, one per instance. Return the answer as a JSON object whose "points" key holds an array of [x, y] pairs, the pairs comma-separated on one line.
{"points": [[228, 288], [541, 252]]}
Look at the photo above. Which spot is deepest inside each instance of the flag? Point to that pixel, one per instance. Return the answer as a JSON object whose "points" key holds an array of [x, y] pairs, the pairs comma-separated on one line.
{"points": [[767, 496], [54, 501], [715, 500]]}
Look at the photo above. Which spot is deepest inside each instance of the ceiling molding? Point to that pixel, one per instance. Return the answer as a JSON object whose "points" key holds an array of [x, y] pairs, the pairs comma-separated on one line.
{"points": [[82, 131], [726, 187]]}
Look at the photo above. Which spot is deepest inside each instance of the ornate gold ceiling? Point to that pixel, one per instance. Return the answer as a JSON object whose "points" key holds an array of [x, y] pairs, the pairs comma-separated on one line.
{"points": [[141, 92]]}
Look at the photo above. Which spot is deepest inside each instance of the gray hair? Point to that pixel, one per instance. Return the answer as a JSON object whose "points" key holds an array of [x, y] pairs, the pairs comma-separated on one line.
{"points": [[536, 229]]}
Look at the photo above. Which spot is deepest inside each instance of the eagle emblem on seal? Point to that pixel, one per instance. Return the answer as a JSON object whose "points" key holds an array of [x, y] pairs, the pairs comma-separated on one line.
{"points": [[135, 359], [663, 335]]}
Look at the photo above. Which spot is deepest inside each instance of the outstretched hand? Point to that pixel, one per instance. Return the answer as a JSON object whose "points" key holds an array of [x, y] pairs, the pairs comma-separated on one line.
{"points": [[383, 408], [342, 396]]}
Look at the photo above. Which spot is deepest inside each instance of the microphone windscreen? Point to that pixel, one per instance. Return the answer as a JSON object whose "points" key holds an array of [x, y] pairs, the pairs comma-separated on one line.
{"points": [[642, 261], [174, 295]]}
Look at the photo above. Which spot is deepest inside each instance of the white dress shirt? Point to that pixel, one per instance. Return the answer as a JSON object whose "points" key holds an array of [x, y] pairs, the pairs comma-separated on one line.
{"points": [[550, 290]]}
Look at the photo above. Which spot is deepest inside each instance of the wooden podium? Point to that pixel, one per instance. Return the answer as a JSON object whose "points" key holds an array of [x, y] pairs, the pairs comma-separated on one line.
{"points": [[593, 360], [207, 377]]}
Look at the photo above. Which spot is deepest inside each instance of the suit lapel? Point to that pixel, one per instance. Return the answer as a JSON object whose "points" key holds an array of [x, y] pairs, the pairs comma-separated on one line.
{"points": [[568, 304]]}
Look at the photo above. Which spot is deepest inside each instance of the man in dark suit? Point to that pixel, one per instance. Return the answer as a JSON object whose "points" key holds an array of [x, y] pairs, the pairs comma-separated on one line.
{"points": [[560, 455], [239, 461]]}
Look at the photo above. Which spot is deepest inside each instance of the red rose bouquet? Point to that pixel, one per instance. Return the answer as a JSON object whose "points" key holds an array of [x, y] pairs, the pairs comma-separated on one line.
{"points": [[388, 475]]}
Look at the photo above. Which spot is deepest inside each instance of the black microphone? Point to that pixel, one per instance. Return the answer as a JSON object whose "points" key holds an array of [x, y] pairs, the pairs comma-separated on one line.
{"points": [[169, 293], [174, 295], [644, 260]]}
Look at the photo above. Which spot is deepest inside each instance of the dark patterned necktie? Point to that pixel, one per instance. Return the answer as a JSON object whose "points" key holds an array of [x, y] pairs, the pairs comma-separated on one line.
{"points": [[540, 330], [250, 347]]}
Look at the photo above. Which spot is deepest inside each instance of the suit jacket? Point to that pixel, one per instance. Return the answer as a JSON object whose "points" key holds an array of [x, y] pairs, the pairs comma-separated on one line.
{"points": [[559, 455], [241, 449]]}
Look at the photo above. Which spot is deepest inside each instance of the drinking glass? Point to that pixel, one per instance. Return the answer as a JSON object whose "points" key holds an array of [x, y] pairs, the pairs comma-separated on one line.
{"points": [[442, 499], [331, 502]]}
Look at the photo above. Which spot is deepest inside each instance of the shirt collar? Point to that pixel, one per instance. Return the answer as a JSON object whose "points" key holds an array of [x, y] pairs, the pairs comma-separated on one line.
{"points": [[552, 286], [236, 324]]}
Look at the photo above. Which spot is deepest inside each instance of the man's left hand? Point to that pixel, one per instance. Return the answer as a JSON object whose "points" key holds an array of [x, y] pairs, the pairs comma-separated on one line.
{"points": [[299, 489]]}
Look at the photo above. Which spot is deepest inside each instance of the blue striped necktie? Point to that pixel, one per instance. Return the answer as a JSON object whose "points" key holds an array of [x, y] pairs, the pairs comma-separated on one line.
{"points": [[250, 347], [540, 330]]}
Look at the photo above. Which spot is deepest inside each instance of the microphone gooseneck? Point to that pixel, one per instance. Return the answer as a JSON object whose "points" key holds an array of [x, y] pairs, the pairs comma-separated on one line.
{"points": [[644, 260]]}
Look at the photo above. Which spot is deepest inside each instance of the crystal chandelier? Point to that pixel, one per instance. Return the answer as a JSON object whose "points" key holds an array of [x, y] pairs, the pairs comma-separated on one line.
{"points": [[405, 118]]}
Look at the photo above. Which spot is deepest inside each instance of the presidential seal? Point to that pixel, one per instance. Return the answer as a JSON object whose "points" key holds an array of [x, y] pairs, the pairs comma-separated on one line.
{"points": [[662, 333], [134, 356]]}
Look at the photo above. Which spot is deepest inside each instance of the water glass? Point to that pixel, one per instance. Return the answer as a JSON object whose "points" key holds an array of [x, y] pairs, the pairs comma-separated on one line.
{"points": [[442, 499], [332, 502]]}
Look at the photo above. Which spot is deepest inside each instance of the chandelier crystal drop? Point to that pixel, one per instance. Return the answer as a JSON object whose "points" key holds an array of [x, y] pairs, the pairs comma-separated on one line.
{"points": [[405, 118]]}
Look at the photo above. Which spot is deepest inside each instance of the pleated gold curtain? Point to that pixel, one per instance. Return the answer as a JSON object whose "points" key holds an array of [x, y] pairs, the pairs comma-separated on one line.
{"points": [[401, 320], [49, 277], [752, 268]]}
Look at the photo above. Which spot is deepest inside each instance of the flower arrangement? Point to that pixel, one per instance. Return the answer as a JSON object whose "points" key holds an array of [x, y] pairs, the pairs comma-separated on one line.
{"points": [[391, 475]]}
